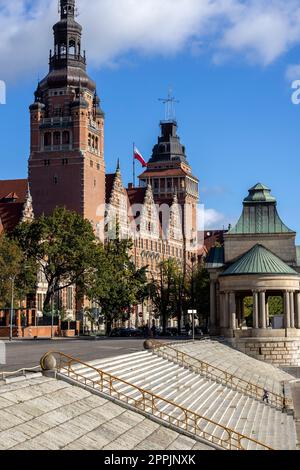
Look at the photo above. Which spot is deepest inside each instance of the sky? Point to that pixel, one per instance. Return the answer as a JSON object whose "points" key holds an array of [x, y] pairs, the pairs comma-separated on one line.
{"points": [[230, 64]]}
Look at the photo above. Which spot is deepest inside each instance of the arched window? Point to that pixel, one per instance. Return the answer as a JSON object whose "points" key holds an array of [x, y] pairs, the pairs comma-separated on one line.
{"points": [[47, 139], [93, 142], [56, 138], [97, 143], [72, 47], [66, 138], [63, 50]]}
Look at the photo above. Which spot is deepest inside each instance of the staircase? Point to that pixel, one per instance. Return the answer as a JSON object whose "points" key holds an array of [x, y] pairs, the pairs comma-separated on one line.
{"points": [[229, 360], [177, 390]]}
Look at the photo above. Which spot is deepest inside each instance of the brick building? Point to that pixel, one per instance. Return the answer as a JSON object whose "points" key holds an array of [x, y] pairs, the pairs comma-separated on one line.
{"points": [[67, 167]]}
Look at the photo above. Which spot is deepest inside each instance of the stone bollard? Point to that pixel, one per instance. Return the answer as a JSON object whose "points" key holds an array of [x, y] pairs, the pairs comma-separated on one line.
{"points": [[149, 344], [48, 362]]}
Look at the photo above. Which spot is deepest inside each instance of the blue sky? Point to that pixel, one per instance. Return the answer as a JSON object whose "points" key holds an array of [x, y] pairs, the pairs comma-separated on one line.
{"points": [[235, 114]]}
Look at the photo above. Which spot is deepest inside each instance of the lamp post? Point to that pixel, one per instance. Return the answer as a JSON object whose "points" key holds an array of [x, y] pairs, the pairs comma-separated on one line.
{"points": [[52, 312], [193, 313], [12, 279]]}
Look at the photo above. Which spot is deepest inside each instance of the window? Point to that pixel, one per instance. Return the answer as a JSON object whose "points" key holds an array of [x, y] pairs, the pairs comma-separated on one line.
{"points": [[47, 162], [56, 138], [65, 161], [72, 47], [90, 140], [57, 111], [69, 298], [66, 138], [55, 179], [47, 139], [91, 164]]}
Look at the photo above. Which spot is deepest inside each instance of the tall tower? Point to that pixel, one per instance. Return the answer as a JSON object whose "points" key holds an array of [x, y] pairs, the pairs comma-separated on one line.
{"points": [[66, 164], [169, 174]]}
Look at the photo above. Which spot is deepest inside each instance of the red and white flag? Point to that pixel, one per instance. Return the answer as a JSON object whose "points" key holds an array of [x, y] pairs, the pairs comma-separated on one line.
{"points": [[138, 156]]}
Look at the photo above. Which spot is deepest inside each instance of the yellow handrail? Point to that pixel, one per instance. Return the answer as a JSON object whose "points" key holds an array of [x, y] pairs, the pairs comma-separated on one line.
{"points": [[146, 401], [226, 378]]}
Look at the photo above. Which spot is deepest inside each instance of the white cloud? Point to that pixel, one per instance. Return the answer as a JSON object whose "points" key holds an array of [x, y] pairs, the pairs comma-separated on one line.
{"points": [[214, 220], [258, 30]]}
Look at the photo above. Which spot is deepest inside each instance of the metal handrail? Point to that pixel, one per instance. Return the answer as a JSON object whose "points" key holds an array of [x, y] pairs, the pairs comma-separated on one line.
{"points": [[224, 377], [158, 406], [3, 375]]}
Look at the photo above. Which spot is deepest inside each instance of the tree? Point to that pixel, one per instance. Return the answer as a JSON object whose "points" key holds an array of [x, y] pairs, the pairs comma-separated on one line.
{"points": [[200, 291], [15, 269], [114, 284], [167, 291], [63, 245]]}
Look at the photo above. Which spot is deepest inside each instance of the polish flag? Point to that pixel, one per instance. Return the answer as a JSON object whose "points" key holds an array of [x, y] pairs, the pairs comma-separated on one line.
{"points": [[138, 156]]}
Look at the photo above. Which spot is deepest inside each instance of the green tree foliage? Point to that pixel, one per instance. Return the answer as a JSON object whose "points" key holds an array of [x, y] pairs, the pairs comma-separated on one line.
{"points": [[200, 298], [275, 306], [63, 245], [115, 285], [15, 269], [168, 291]]}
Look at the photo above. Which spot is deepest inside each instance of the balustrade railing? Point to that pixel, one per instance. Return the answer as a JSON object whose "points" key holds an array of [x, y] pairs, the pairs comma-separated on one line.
{"points": [[155, 405]]}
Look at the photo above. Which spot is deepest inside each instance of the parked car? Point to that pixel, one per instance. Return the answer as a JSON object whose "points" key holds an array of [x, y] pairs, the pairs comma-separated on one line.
{"points": [[168, 332], [126, 333]]}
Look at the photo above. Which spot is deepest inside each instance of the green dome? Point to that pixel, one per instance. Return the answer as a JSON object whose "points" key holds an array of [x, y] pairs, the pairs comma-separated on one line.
{"points": [[260, 214], [259, 260]]}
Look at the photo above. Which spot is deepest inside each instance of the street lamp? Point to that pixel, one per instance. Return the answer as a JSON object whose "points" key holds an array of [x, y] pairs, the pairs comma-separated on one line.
{"points": [[193, 313], [12, 279]]}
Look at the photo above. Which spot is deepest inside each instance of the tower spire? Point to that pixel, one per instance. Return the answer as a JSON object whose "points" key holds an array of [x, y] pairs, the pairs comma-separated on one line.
{"points": [[67, 9]]}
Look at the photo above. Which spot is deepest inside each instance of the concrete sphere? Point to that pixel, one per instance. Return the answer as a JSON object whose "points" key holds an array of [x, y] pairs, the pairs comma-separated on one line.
{"points": [[148, 344], [48, 362]]}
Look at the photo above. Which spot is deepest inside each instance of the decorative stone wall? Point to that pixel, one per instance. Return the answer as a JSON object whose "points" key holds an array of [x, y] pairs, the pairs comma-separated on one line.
{"points": [[277, 351]]}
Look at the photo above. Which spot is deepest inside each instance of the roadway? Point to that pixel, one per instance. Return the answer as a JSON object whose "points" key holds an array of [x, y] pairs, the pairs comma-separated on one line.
{"points": [[27, 353]]}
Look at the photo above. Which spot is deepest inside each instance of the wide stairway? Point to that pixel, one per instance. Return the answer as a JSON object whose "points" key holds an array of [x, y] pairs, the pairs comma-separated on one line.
{"points": [[181, 389], [224, 357]]}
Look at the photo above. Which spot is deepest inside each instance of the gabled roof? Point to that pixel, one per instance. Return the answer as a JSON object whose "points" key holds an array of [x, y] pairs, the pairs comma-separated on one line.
{"points": [[259, 260], [136, 195], [109, 184], [11, 215], [17, 188]]}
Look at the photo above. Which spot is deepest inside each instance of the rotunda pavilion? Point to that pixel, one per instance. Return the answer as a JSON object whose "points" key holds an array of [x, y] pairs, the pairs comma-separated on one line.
{"points": [[259, 260]]}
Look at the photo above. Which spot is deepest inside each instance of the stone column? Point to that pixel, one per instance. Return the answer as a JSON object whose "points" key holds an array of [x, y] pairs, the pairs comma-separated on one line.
{"points": [[267, 313], [222, 309], [255, 310], [232, 311], [262, 304], [287, 310], [297, 305], [212, 303], [226, 311], [292, 307]]}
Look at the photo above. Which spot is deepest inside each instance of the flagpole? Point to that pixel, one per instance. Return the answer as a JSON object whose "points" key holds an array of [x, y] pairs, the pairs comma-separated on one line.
{"points": [[133, 154]]}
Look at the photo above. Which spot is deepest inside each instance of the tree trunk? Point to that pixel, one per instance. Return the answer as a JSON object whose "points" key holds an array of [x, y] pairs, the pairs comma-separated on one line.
{"points": [[179, 316], [48, 299], [108, 327]]}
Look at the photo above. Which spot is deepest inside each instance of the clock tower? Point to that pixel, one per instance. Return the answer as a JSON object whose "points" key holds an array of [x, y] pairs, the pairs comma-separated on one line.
{"points": [[66, 163]]}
